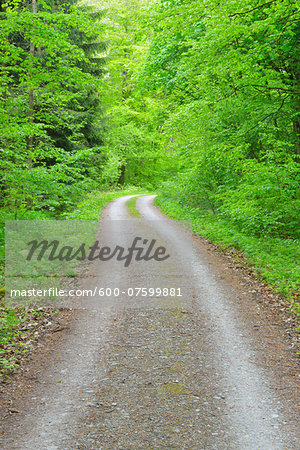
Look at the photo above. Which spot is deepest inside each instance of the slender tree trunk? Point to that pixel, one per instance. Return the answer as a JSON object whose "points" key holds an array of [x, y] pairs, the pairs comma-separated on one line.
{"points": [[296, 126], [30, 93], [31, 103], [122, 175]]}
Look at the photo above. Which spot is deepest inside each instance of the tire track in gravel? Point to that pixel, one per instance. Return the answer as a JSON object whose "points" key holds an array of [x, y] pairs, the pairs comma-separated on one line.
{"points": [[186, 372]]}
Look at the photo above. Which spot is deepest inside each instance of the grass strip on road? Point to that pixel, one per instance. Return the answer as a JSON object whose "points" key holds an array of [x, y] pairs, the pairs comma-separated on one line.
{"points": [[131, 205], [90, 208]]}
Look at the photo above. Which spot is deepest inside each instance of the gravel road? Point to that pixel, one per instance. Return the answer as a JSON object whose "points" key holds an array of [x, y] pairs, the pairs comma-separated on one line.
{"points": [[209, 368]]}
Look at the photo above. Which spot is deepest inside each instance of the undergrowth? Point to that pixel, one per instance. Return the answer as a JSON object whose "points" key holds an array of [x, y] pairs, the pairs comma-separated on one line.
{"points": [[274, 260]]}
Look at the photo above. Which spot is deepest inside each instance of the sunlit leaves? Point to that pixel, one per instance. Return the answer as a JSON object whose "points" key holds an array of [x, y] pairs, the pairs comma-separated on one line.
{"points": [[228, 75]]}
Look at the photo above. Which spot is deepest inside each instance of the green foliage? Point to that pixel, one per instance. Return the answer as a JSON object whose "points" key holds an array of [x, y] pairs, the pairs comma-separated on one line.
{"points": [[133, 141], [263, 203], [273, 259], [49, 105], [228, 77]]}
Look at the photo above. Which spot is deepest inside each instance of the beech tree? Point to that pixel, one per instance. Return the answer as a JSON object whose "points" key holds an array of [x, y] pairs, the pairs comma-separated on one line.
{"points": [[228, 74]]}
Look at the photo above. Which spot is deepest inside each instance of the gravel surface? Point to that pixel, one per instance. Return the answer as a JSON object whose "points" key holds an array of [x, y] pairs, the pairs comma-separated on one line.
{"points": [[210, 369]]}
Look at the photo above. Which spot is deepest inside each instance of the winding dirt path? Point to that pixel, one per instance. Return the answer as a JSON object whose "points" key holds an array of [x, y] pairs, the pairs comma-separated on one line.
{"points": [[207, 369]]}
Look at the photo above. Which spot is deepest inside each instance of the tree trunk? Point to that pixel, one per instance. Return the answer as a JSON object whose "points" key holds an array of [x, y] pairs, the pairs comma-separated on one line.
{"points": [[30, 93], [122, 175], [296, 126]]}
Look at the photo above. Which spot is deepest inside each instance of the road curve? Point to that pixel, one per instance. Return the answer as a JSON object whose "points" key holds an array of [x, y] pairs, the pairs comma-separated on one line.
{"points": [[206, 369]]}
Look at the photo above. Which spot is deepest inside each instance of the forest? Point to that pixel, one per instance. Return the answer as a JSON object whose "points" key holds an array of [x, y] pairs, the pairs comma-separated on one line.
{"points": [[197, 101]]}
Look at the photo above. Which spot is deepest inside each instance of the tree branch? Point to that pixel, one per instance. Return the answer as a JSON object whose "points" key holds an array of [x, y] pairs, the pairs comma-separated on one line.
{"points": [[253, 9], [269, 115], [270, 88]]}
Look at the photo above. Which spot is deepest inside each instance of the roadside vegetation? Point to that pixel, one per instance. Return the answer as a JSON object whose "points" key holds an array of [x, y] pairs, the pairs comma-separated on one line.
{"points": [[274, 260]]}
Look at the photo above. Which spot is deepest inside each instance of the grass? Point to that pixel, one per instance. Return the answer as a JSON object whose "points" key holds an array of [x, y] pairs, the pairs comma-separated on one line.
{"points": [[274, 260], [131, 205]]}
